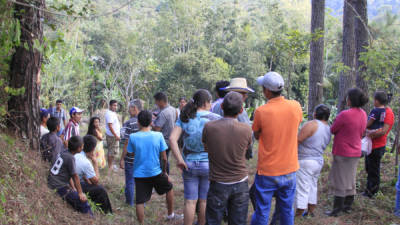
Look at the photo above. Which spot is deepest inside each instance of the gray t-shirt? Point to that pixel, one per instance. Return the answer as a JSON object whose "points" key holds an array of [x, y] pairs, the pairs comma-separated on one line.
{"points": [[243, 117], [50, 146], [314, 146], [166, 120], [62, 170]]}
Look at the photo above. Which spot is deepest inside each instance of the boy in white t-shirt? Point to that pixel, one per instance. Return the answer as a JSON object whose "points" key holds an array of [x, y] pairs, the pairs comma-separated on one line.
{"points": [[89, 176]]}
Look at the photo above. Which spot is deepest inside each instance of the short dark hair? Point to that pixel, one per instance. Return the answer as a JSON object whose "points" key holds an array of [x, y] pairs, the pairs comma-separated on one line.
{"points": [[74, 143], [59, 101], [274, 93], [182, 98], [381, 97], [357, 97], [145, 118], [322, 112], [52, 124], [113, 101], [220, 85], [89, 143], [232, 104], [161, 96]]}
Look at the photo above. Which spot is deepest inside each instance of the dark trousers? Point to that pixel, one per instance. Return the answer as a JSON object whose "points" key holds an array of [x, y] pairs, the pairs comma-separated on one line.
{"points": [[373, 168], [99, 195], [233, 197], [72, 198]]}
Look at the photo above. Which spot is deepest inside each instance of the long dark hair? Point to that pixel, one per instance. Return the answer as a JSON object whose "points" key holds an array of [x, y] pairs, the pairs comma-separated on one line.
{"points": [[92, 128], [200, 98]]}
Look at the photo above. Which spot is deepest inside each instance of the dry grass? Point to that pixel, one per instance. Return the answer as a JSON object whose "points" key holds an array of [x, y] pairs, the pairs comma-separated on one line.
{"points": [[25, 198]]}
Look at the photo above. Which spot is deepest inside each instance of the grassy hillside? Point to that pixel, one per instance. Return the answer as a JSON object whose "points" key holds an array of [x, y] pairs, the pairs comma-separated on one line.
{"points": [[25, 198]]}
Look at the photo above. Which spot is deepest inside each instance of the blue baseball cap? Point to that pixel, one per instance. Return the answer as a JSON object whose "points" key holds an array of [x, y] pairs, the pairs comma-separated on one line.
{"points": [[75, 110], [44, 113]]}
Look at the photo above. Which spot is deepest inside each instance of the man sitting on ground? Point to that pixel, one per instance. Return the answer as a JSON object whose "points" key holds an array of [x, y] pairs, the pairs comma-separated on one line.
{"points": [[88, 172], [226, 141], [146, 146], [63, 171], [50, 144]]}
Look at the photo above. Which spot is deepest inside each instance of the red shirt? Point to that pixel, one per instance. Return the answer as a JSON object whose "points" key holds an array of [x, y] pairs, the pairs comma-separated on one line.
{"points": [[389, 120], [348, 128]]}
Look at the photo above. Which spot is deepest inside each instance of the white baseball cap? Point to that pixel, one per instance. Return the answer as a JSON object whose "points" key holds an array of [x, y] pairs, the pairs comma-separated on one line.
{"points": [[272, 81]]}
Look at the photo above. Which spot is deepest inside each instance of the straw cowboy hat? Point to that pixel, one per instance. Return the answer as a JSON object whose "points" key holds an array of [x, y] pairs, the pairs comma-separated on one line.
{"points": [[239, 85]]}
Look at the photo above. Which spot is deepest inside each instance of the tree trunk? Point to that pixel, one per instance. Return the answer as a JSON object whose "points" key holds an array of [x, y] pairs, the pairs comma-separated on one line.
{"points": [[347, 77], [25, 73], [315, 89], [361, 23]]}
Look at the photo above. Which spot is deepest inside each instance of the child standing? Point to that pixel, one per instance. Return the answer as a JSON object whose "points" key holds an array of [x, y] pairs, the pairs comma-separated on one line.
{"points": [[147, 146], [62, 171], [376, 121]]}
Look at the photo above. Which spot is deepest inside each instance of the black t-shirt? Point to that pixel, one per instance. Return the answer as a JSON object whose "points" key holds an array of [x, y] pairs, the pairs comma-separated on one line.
{"points": [[62, 170], [378, 115]]}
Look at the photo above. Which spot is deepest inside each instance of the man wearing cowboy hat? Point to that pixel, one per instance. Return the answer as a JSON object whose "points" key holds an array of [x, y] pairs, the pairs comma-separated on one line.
{"points": [[237, 85]]}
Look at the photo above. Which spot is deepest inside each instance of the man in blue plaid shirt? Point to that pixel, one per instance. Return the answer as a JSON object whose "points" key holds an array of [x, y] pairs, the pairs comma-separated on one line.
{"points": [[126, 162]]}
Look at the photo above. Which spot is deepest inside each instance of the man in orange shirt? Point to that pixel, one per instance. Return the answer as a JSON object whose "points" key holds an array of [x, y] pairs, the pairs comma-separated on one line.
{"points": [[276, 127]]}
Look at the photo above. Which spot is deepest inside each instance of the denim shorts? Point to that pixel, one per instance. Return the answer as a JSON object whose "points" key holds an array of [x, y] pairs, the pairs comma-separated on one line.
{"points": [[195, 180]]}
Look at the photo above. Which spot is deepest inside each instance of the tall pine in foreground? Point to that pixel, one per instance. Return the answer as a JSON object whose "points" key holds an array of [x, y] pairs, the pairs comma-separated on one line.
{"points": [[347, 76], [315, 91], [25, 72]]}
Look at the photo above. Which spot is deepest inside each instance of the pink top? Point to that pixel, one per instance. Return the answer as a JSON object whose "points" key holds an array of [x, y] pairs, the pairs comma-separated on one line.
{"points": [[348, 129]]}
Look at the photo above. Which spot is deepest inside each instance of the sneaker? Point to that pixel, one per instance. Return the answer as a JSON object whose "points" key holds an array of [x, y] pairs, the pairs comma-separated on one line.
{"points": [[174, 217], [115, 168]]}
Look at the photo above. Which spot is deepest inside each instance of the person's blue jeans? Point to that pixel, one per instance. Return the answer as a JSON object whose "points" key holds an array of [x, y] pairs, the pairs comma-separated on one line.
{"points": [[397, 206], [195, 180], [284, 187], [60, 132], [129, 184], [72, 198], [231, 197]]}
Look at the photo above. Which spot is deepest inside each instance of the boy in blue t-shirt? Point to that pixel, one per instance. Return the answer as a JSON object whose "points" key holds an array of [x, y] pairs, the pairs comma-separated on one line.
{"points": [[147, 146], [377, 116]]}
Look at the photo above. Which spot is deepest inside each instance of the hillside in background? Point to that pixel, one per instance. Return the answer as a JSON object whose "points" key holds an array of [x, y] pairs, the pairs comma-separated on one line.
{"points": [[375, 7]]}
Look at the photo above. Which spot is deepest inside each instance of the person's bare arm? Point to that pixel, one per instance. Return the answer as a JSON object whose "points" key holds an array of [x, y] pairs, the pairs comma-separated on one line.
{"points": [[257, 135], [113, 132], [71, 183], [307, 131], [124, 152], [380, 132], [173, 141], [94, 180], [164, 162], [77, 183], [370, 122], [156, 128]]}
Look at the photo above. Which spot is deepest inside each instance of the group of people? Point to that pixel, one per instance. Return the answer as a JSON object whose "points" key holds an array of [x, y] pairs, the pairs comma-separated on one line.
{"points": [[211, 142]]}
